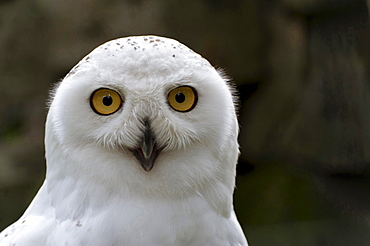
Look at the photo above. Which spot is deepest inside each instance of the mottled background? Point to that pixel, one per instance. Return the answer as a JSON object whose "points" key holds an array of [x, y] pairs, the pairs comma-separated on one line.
{"points": [[302, 69]]}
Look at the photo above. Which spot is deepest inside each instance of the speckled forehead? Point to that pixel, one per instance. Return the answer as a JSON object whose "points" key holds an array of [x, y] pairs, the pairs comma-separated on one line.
{"points": [[148, 53], [145, 42], [148, 44]]}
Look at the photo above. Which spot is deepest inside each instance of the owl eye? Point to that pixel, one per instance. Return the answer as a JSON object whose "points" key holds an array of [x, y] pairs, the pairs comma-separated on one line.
{"points": [[183, 98], [105, 101]]}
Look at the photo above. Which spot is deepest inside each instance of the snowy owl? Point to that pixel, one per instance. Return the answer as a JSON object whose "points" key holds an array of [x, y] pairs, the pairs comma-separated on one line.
{"points": [[141, 149]]}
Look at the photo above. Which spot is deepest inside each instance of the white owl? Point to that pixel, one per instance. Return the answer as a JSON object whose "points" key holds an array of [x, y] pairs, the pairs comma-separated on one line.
{"points": [[141, 149]]}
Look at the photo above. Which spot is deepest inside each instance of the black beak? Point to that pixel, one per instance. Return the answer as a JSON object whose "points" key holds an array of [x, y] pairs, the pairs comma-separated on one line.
{"points": [[148, 151]]}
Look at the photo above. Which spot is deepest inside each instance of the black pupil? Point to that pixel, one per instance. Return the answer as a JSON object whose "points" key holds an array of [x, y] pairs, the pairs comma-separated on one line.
{"points": [[107, 100], [180, 97]]}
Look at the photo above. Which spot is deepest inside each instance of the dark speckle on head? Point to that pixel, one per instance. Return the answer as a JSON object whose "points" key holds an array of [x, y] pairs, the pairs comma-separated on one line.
{"points": [[173, 56], [151, 41], [73, 70], [5, 235]]}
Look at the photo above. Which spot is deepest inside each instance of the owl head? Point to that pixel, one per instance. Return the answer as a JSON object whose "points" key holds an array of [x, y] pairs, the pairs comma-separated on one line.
{"points": [[144, 115]]}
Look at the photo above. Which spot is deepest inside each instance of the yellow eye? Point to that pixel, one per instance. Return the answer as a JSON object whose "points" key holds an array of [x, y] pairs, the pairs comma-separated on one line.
{"points": [[105, 101], [183, 98]]}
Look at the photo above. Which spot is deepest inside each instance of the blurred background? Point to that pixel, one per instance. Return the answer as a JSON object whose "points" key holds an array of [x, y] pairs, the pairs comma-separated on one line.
{"points": [[302, 70]]}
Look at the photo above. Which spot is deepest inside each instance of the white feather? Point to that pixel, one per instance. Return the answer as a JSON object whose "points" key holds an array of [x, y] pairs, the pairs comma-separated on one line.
{"points": [[96, 192]]}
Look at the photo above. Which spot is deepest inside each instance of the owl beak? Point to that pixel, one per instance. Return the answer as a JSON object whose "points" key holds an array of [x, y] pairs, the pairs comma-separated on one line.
{"points": [[147, 152]]}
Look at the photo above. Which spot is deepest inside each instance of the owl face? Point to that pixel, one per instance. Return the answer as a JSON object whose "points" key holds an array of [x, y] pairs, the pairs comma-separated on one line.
{"points": [[144, 107]]}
